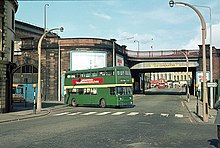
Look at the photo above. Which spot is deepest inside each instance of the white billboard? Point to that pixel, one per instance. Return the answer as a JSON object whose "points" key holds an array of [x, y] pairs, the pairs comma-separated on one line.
{"points": [[87, 60]]}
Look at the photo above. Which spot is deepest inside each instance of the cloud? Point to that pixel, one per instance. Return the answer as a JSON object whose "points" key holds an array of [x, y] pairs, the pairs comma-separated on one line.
{"points": [[103, 16], [196, 40]]}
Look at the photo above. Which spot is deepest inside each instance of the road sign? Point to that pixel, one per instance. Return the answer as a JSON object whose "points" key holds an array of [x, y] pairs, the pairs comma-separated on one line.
{"points": [[212, 84]]}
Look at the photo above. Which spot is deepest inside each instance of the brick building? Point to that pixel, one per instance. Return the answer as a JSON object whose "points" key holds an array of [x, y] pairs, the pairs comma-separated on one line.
{"points": [[216, 61], [26, 56], [7, 32]]}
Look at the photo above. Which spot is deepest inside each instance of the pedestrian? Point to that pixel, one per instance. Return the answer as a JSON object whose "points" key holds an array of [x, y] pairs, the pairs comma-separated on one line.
{"points": [[217, 119]]}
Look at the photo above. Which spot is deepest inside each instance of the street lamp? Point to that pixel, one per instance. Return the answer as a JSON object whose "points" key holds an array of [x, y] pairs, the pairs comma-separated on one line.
{"points": [[205, 99], [136, 41], [39, 66], [210, 53], [113, 52], [185, 53], [113, 48], [45, 16]]}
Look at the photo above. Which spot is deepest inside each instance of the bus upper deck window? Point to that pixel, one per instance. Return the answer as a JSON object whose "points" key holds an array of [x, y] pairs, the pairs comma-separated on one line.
{"points": [[108, 73], [94, 74], [101, 73]]}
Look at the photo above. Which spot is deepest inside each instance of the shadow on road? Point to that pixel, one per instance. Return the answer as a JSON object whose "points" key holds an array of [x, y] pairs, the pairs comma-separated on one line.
{"points": [[28, 105]]}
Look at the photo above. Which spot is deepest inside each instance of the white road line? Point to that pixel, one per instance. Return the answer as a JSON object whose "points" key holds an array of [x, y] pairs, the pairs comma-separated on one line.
{"points": [[60, 114], [148, 114], [133, 113], [179, 115], [89, 113], [118, 113], [164, 115], [76, 113], [103, 113], [182, 103]]}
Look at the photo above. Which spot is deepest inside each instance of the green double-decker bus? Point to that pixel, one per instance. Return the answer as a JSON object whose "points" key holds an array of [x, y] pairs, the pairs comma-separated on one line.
{"points": [[109, 86]]}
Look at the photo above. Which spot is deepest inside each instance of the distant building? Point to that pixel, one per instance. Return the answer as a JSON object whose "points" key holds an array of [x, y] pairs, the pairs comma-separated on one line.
{"points": [[7, 33]]}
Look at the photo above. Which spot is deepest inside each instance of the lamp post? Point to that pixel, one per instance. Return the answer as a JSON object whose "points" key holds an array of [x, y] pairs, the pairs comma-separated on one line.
{"points": [[39, 66], [113, 48], [210, 53], [187, 74], [205, 99], [113, 51], [45, 16], [136, 41]]}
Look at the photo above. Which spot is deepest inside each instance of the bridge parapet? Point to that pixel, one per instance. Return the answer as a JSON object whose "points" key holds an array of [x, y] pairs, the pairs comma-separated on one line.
{"points": [[162, 54]]}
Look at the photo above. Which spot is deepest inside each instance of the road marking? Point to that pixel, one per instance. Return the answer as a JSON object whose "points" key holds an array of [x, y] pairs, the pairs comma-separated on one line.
{"points": [[148, 114], [179, 115], [89, 113], [103, 113], [164, 115], [60, 114], [72, 114], [118, 113], [182, 103], [133, 113]]}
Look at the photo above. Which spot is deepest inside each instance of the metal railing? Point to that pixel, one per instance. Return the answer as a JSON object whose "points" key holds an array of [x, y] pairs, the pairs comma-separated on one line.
{"points": [[161, 54]]}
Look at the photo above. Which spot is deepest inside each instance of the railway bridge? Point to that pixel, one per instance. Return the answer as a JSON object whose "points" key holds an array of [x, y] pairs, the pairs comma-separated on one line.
{"points": [[168, 64]]}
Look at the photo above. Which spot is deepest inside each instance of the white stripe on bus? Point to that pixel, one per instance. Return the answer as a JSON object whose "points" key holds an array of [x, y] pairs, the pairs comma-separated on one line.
{"points": [[96, 86]]}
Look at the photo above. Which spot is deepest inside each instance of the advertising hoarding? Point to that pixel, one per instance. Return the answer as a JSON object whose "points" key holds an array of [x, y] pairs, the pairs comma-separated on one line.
{"points": [[119, 60], [80, 60], [199, 78]]}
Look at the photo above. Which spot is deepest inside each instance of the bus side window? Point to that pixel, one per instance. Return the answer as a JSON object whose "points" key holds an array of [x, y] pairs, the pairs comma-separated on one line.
{"points": [[74, 91], [80, 91], [112, 91], [108, 73], [94, 74], [88, 74], [87, 91], [101, 73], [94, 91]]}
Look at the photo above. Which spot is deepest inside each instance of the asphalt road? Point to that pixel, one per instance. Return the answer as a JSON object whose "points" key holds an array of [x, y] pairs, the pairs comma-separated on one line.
{"points": [[155, 121]]}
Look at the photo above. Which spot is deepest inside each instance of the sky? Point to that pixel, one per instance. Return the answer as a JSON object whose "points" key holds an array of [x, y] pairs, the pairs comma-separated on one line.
{"points": [[151, 24]]}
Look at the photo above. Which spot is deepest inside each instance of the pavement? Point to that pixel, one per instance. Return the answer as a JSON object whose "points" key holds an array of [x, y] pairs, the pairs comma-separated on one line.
{"points": [[195, 108], [25, 110], [21, 110]]}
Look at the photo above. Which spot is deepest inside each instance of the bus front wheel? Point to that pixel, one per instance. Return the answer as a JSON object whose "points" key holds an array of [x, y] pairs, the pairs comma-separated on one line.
{"points": [[74, 103], [102, 103]]}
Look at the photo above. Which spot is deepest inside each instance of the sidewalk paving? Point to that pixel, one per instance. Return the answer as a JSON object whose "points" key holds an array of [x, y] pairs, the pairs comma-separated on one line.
{"points": [[192, 106], [21, 112]]}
